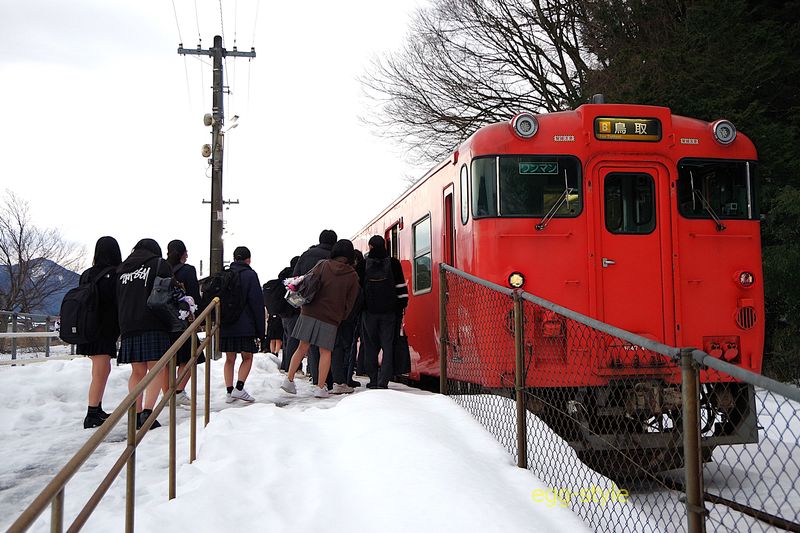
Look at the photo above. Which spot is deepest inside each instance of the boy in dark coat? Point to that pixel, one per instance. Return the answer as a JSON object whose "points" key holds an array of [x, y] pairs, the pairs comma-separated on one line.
{"points": [[240, 337], [385, 299]]}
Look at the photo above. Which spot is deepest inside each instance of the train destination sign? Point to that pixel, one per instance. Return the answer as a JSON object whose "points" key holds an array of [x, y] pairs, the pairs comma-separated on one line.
{"points": [[627, 129]]}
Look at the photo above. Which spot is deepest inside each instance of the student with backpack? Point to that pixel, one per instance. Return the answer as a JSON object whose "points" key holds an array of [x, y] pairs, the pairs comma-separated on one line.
{"points": [[99, 306], [145, 335], [244, 323], [186, 277], [335, 296], [385, 299]]}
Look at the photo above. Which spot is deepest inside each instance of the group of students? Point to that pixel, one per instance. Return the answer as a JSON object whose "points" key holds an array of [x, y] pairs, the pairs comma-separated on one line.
{"points": [[356, 299]]}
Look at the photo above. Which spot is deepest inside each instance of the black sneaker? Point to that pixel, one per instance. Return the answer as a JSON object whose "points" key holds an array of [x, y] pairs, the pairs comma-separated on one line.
{"points": [[92, 420], [142, 417], [103, 414], [353, 383]]}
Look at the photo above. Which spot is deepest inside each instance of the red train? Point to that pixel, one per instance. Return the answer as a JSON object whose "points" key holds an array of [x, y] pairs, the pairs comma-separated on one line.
{"points": [[629, 214]]}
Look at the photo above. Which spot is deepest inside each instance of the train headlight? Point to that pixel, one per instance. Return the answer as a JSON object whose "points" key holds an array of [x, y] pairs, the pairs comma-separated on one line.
{"points": [[516, 280], [724, 131], [525, 125], [745, 279]]}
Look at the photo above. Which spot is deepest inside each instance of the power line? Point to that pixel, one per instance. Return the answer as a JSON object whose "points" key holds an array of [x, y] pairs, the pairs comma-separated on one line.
{"points": [[175, 11], [255, 23], [185, 66]]}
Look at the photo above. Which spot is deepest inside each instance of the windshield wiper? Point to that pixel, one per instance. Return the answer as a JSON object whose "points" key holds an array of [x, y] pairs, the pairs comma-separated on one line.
{"points": [[697, 194], [556, 206]]}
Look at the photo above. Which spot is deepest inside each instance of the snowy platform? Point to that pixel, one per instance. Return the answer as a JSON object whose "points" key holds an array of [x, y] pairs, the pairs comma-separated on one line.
{"points": [[376, 460]]}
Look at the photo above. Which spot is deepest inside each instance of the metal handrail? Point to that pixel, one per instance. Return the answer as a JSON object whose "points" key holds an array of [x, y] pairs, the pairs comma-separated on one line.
{"points": [[53, 493]]}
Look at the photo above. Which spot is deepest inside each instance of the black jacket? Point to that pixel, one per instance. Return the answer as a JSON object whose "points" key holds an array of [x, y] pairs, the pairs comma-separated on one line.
{"points": [[252, 321], [187, 275], [107, 301], [311, 257], [293, 311], [134, 284], [400, 285]]}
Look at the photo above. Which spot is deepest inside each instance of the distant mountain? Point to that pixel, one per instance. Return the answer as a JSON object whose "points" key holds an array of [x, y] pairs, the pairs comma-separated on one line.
{"points": [[67, 279]]}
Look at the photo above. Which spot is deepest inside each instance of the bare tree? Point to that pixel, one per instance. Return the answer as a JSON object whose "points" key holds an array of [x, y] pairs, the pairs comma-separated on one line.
{"points": [[31, 258], [467, 63]]}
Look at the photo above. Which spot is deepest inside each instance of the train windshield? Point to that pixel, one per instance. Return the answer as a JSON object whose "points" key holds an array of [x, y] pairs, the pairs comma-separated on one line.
{"points": [[716, 189], [529, 186]]}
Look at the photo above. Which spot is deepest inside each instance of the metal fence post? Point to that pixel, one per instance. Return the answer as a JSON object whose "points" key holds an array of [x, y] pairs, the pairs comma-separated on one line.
{"points": [[47, 339], [519, 383], [442, 330], [695, 510], [172, 429], [13, 339]]}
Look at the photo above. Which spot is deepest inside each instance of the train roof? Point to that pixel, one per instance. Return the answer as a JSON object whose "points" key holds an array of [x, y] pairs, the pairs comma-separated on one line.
{"points": [[571, 133]]}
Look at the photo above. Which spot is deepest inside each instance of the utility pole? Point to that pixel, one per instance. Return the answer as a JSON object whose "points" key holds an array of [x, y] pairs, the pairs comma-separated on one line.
{"points": [[217, 52]]}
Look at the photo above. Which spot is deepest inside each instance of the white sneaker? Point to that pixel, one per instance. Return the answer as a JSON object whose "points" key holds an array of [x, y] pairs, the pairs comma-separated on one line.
{"points": [[242, 395], [288, 386], [229, 398], [183, 399], [321, 392], [342, 388], [299, 373]]}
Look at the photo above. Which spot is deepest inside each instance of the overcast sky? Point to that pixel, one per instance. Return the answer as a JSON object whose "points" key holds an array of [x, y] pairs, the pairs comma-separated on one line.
{"points": [[103, 120]]}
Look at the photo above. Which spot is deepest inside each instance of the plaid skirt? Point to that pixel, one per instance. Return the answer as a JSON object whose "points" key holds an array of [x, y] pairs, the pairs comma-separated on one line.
{"points": [[315, 332], [147, 346], [185, 351], [238, 345], [99, 347]]}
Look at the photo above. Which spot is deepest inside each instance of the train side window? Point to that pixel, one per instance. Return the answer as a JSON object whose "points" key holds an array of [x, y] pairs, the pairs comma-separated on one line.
{"points": [[629, 203], [484, 187], [422, 255], [464, 193]]}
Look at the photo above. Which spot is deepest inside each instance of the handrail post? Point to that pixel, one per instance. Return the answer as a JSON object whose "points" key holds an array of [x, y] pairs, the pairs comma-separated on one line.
{"points": [[130, 481], [209, 356], [172, 429], [519, 382], [442, 330], [193, 408], [57, 513], [695, 508]]}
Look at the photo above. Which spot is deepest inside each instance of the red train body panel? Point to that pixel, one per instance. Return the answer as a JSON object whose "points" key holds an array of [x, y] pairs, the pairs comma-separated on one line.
{"points": [[638, 241]]}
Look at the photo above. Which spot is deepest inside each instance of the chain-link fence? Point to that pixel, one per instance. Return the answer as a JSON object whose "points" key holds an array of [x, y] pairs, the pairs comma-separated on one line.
{"points": [[602, 417]]}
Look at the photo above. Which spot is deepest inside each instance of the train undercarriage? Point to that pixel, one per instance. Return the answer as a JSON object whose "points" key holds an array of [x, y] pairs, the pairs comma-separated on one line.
{"points": [[632, 429]]}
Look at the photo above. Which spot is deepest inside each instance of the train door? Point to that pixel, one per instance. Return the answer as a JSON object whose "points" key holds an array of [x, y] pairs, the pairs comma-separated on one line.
{"points": [[448, 228], [634, 249]]}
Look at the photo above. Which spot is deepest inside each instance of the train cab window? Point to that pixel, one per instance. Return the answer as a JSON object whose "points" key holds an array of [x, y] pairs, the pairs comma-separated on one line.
{"points": [[630, 203], [464, 194], [422, 255], [709, 188], [529, 186]]}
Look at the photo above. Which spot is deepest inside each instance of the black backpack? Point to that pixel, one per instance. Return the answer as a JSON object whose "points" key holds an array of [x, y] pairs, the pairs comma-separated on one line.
{"points": [[273, 292], [80, 320], [380, 295], [226, 286]]}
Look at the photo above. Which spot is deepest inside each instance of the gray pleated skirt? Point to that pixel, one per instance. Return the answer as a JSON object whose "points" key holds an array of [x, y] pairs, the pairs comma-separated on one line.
{"points": [[315, 332]]}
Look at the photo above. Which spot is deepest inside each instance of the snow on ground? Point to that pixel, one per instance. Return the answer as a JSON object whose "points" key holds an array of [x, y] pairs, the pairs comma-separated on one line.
{"points": [[762, 475], [383, 460]]}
